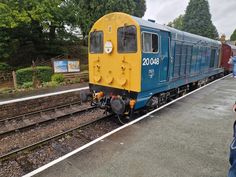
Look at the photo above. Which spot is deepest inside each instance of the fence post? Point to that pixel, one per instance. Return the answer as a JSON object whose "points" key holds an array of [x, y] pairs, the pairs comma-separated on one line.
{"points": [[14, 79]]}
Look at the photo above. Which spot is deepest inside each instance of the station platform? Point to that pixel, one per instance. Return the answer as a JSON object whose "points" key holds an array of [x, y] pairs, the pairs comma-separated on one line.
{"points": [[189, 138], [40, 92]]}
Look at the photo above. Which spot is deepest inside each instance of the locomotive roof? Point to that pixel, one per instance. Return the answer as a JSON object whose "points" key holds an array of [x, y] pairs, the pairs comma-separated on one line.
{"points": [[146, 23], [177, 34]]}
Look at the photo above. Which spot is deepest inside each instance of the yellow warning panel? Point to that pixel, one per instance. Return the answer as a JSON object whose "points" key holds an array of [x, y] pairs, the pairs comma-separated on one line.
{"points": [[114, 53]]}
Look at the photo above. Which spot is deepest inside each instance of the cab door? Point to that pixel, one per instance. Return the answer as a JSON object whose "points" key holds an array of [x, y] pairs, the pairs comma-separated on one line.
{"points": [[150, 59], [164, 56]]}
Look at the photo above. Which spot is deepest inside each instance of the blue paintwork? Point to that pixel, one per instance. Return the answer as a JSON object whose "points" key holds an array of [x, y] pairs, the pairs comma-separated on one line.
{"points": [[154, 74], [165, 76]]}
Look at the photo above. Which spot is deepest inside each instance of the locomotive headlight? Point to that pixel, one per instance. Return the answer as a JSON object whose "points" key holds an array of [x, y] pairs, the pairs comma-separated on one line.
{"points": [[108, 47]]}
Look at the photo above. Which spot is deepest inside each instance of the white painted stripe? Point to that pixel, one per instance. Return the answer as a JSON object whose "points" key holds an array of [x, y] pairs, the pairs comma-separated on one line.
{"points": [[112, 132], [41, 96]]}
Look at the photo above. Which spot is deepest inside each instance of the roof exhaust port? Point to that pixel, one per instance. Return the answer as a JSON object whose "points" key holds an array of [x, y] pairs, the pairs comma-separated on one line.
{"points": [[151, 20]]}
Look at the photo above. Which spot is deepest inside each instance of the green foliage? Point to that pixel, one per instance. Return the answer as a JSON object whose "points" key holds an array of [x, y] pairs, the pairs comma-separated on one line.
{"points": [[58, 78], [233, 36], [27, 85], [42, 73], [77, 79], [140, 8], [4, 67], [91, 11], [32, 29], [177, 23], [197, 19], [50, 84]]}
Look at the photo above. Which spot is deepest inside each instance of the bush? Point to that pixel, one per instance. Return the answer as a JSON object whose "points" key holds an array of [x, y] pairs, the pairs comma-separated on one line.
{"points": [[4, 67], [77, 79], [27, 85], [43, 74], [58, 78], [50, 84]]}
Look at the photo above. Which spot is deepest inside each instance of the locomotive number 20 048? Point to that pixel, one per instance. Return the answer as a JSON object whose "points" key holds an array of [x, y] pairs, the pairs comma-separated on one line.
{"points": [[151, 61]]}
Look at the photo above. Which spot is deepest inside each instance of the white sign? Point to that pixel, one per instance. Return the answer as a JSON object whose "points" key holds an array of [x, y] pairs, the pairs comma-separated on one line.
{"points": [[108, 47], [73, 66]]}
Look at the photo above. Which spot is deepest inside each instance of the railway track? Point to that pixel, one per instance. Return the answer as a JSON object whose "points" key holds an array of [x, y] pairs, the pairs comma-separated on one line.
{"points": [[28, 120], [52, 138], [59, 141]]}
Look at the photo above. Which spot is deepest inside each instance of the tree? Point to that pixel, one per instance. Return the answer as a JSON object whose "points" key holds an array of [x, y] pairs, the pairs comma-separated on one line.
{"points": [[233, 36], [91, 11], [177, 23], [140, 8], [197, 19], [33, 29]]}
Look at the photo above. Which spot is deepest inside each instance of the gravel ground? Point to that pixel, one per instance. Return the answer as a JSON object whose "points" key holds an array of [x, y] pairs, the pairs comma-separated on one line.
{"points": [[23, 164], [24, 138], [17, 123]]}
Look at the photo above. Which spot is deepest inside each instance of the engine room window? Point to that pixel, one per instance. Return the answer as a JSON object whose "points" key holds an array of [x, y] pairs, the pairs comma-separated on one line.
{"points": [[127, 39], [96, 42], [150, 43]]}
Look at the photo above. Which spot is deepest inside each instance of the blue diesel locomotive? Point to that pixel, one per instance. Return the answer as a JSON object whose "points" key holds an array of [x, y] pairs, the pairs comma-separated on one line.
{"points": [[134, 63]]}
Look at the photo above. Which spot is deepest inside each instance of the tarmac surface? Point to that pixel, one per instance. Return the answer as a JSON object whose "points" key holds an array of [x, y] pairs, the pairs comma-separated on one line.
{"points": [[189, 138]]}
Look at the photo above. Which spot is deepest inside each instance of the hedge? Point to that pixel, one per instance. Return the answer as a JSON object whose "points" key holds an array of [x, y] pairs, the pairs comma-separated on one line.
{"points": [[4, 67], [43, 74], [58, 78]]}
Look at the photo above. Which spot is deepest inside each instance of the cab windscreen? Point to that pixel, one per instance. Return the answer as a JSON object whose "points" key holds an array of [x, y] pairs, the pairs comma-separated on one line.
{"points": [[127, 39], [96, 42]]}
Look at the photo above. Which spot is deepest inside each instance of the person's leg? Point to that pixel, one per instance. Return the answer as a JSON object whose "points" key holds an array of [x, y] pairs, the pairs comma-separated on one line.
{"points": [[232, 171], [234, 70]]}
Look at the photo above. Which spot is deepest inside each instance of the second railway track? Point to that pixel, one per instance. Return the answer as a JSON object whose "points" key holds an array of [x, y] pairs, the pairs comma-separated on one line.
{"points": [[47, 140], [36, 118], [26, 131]]}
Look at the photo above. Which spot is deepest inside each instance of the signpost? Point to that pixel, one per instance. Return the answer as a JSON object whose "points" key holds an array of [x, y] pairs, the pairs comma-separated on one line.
{"points": [[66, 66], [73, 66], [60, 66]]}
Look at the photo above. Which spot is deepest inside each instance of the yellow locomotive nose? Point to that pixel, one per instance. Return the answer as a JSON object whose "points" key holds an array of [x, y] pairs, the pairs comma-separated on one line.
{"points": [[114, 53]]}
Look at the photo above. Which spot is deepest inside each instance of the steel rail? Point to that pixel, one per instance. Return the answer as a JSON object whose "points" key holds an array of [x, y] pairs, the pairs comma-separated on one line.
{"points": [[57, 117], [38, 112], [47, 140]]}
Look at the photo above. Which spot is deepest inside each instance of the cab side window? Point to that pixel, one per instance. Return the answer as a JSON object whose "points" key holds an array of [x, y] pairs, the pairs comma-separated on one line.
{"points": [[150, 43]]}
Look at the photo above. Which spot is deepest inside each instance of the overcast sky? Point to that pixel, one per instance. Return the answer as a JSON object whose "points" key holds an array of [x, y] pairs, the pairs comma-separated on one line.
{"points": [[223, 12]]}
